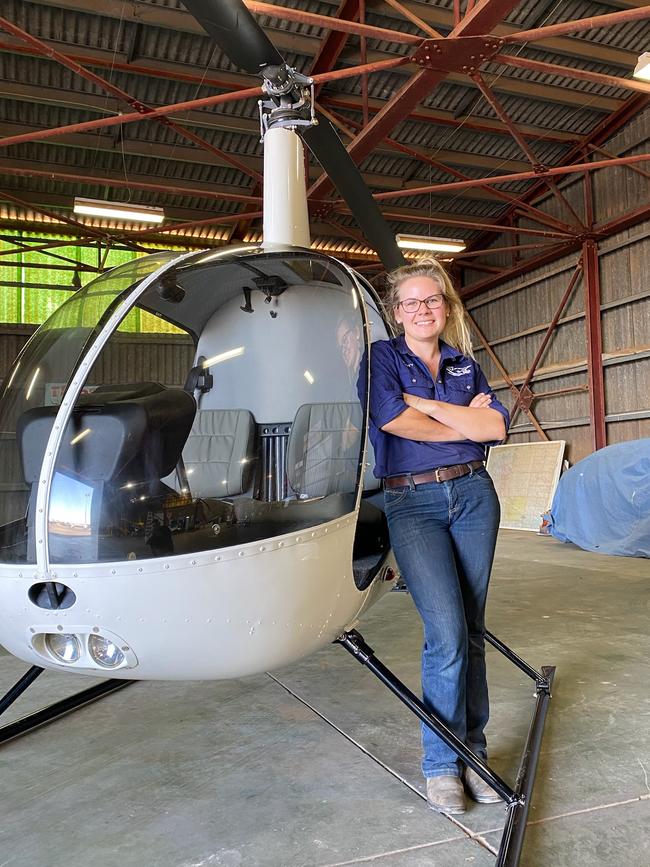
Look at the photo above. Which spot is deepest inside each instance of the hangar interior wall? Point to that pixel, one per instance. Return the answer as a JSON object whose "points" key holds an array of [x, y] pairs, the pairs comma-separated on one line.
{"points": [[515, 315]]}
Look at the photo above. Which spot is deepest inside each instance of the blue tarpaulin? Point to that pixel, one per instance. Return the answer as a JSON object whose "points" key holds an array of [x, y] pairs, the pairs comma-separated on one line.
{"points": [[603, 502]]}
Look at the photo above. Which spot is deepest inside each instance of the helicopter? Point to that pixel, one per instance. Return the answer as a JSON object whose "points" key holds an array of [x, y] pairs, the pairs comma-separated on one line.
{"points": [[231, 525]]}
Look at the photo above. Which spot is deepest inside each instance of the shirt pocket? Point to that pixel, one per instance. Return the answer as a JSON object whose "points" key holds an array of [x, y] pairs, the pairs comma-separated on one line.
{"points": [[459, 389]]}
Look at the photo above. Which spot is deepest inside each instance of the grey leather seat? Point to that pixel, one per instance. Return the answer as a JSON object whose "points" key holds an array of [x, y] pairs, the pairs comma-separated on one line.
{"points": [[323, 449], [219, 455]]}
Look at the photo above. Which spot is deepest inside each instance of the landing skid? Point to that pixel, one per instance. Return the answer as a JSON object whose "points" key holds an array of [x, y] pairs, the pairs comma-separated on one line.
{"points": [[53, 711], [517, 800]]}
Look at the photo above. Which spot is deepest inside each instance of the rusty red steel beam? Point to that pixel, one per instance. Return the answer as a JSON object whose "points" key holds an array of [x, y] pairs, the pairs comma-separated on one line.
{"points": [[40, 248], [465, 123], [204, 102], [415, 217], [554, 171], [331, 47], [572, 72], [612, 156], [328, 23], [533, 213], [603, 131], [518, 393], [136, 185], [102, 63], [219, 219], [484, 17], [414, 19], [363, 58], [535, 163], [624, 221], [524, 267], [138, 105], [457, 14], [594, 347], [549, 332], [592, 22], [488, 251]]}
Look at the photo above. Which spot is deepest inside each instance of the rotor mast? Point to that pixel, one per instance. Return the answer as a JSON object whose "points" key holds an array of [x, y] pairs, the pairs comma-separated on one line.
{"points": [[289, 104]]}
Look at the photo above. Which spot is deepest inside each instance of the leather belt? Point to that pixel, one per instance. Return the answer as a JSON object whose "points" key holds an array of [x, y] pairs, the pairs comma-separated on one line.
{"points": [[440, 474]]}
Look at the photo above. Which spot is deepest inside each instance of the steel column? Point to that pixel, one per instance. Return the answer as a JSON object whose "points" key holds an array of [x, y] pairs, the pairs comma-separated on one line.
{"points": [[594, 346]]}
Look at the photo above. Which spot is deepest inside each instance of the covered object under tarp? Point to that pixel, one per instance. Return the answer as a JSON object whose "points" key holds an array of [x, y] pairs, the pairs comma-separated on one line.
{"points": [[603, 502]]}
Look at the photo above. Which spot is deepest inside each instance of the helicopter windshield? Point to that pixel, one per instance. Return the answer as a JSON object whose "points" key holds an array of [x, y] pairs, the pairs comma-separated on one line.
{"points": [[241, 425], [38, 379]]}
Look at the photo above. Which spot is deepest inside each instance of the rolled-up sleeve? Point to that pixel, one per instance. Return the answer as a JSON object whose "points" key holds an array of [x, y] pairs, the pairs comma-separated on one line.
{"points": [[386, 401], [482, 386]]}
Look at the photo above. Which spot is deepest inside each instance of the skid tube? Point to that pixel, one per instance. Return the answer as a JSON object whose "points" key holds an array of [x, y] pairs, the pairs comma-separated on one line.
{"points": [[517, 799], [53, 711]]}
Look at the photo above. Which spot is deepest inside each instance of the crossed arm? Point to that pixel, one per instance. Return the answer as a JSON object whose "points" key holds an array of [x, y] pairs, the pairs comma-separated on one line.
{"points": [[436, 421]]}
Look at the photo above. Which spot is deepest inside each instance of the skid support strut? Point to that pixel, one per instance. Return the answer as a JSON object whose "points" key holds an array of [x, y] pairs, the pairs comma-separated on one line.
{"points": [[53, 711], [516, 799]]}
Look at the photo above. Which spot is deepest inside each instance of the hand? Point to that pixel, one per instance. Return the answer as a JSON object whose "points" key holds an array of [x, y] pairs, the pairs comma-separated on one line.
{"points": [[481, 401]]}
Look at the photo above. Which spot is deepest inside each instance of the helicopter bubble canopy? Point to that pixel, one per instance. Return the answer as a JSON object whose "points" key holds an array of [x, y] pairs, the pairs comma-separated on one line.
{"points": [[262, 437]]}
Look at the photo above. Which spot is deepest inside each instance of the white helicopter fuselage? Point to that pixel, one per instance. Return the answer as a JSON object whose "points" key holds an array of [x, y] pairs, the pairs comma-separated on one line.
{"points": [[257, 568]]}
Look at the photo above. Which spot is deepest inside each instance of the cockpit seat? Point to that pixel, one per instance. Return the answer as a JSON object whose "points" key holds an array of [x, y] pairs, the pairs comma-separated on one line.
{"points": [[323, 449], [219, 455]]}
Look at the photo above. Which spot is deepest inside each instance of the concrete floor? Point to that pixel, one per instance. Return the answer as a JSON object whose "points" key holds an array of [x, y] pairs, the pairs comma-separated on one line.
{"points": [[254, 773]]}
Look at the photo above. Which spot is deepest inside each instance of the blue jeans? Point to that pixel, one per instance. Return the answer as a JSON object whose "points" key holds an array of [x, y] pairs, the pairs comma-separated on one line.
{"points": [[443, 535]]}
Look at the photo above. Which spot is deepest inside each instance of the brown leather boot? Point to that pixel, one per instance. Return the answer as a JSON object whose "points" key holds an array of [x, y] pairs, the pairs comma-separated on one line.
{"points": [[446, 795], [478, 789]]}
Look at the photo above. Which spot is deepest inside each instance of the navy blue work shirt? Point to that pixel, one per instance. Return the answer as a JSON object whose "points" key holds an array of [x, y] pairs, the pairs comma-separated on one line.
{"points": [[394, 369]]}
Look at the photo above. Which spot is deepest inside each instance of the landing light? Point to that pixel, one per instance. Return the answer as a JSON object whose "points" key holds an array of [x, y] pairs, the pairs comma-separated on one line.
{"points": [[105, 652], [64, 647]]}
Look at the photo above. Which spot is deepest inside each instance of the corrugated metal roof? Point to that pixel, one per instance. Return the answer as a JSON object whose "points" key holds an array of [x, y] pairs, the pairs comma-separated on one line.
{"points": [[548, 102]]}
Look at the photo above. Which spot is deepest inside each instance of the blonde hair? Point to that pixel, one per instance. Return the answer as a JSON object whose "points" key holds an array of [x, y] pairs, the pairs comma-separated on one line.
{"points": [[456, 331]]}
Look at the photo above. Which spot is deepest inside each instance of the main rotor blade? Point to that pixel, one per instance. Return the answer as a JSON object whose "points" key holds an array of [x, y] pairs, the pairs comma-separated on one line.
{"points": [[330, 152], [236, 32]]}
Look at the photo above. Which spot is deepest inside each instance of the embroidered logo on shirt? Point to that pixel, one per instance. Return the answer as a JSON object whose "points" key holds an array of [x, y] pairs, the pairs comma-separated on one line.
{"points": [[458, 371]]}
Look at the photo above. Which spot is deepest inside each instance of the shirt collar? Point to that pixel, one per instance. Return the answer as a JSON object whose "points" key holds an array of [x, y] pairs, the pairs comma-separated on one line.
{"points": [[447, 352]]}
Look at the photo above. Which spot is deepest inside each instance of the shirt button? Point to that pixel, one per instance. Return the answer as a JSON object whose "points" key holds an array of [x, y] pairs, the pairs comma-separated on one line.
{"points": [[414, 380]]}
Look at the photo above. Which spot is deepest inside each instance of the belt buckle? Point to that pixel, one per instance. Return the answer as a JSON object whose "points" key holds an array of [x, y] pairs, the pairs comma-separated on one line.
{"points": [[436, 475]]}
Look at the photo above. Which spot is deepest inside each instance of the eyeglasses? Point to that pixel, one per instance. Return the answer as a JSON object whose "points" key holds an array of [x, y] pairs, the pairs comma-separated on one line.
{"points": [[412, 305]]}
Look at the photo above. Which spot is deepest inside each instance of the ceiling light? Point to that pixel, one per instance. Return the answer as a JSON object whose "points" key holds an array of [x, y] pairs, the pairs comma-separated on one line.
{"points": [[422, 242], [118, 210], [642, 69]]}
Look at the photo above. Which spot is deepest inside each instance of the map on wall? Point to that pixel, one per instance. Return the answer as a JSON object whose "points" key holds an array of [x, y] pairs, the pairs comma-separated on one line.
{"points": [[525, 477]]}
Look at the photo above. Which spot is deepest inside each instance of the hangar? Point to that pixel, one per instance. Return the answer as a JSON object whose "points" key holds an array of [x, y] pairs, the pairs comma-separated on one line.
{"points": [[516, 131]]}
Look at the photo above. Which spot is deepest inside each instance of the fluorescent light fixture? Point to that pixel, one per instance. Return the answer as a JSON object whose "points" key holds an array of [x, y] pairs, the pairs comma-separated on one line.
{"points": [[642, 69], [223, 356], [309, 377], [422, 242], [118, 210]]}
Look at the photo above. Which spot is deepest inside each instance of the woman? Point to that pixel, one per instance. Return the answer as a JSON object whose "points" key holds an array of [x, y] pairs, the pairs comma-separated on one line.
{"points": [[431, 415]]}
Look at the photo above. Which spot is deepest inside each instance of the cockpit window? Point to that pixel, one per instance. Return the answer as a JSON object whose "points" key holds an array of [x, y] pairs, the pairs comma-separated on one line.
{"points": [[37, 382], [242, 426]]}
